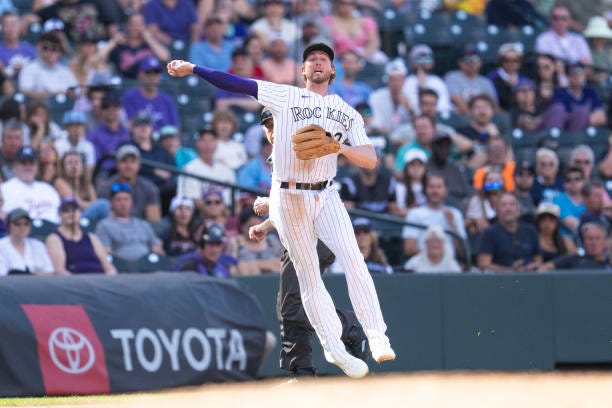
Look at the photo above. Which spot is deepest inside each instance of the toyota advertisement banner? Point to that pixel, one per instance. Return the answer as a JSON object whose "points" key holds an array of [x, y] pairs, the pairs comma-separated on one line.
{"points": [[98, 334]]}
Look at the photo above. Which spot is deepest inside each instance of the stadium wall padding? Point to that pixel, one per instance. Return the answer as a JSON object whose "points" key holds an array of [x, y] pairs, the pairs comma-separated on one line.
{"points": [[109, 334], [477, 321]]}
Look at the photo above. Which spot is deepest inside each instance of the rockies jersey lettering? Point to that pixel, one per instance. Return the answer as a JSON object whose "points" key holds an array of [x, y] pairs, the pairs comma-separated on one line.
{"points": [[294, 108]]}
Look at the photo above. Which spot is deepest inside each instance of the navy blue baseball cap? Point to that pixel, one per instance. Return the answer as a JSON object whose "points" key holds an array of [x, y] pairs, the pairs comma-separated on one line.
{"points": [[25, 153], [150, 63], [214, 233], [318, 47], [265, 114], [68, 202]]}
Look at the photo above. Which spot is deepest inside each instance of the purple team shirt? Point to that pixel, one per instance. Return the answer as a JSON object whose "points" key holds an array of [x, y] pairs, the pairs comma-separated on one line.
{"points": [[160, 109], [106, 140], [175, 22], [24, 49]]}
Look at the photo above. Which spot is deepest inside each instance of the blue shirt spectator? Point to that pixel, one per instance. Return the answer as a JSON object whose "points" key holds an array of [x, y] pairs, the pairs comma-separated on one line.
{"points": [[147, 99], [257, 173], [214, 52], [171, 23]]}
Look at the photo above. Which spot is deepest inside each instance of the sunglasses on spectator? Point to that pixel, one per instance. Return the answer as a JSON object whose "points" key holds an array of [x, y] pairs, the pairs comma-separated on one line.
{"points": [[21, 223], [579, 162], [50, 48], [152, 71], [546, 164], [559, 17], [362, 230], [117, 187], [212, 202], [471, 58]]}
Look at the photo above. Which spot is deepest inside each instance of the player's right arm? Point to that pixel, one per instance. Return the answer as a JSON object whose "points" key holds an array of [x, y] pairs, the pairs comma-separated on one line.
{"points": [[220, 79]]}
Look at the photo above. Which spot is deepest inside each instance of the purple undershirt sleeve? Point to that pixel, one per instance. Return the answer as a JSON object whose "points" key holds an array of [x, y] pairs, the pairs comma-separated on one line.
{"points": [[228, 82]]}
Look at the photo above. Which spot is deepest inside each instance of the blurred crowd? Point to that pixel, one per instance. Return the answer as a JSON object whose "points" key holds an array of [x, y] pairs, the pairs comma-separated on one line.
{"points": [[495, 156]]}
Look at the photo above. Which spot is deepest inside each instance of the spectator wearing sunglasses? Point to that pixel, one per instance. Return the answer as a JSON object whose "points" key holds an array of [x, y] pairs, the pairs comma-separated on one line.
{"points": [[123, 235], [559, 41], [466, 82], [480, 211], [72, 250], [146, 98], [570, 202], [45, 76], [583, 157], [146, 198], [20, 254]]}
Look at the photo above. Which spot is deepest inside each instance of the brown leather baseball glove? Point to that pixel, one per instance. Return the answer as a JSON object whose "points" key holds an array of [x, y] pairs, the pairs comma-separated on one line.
{"points": [[312, 141]]}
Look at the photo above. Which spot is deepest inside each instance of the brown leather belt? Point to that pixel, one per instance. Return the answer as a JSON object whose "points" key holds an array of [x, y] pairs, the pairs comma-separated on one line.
{"points": [[306, 186]]}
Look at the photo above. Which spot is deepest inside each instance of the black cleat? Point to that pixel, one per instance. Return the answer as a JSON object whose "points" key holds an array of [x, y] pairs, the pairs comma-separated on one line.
{"points": [[356, 343]]}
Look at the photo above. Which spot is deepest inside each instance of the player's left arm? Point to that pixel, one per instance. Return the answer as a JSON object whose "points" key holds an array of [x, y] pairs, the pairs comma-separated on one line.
{"points": [[356, 145], [362, 155]]}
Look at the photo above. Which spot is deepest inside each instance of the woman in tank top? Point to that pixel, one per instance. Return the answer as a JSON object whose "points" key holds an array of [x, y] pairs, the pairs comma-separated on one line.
{"points": [[74, 251]]}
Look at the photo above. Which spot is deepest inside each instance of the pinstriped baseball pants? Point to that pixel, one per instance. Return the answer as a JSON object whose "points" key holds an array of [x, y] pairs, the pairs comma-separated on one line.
{"points": [[302, 216]]}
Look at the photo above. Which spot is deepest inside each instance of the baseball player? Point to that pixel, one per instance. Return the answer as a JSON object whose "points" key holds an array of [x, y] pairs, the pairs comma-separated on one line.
{"points": [[295, 329], [312, 128]]}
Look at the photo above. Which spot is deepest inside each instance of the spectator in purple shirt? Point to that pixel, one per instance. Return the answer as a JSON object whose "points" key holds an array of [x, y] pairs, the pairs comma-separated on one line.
{"points": [[171, 20], [111, 133], [577, 106], [209, 259], [14, 52], [147, 99]]}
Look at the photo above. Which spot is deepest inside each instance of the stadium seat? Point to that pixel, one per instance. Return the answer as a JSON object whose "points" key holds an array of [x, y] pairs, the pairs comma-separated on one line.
{"points": [[59, 104], [433, 29], [596, 137], [179, 50], [372, 74], [42, 228], [524, 144], [23, 6]]}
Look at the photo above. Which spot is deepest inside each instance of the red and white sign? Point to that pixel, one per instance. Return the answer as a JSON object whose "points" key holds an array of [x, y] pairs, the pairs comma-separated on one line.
{"points": [[71, 355]]}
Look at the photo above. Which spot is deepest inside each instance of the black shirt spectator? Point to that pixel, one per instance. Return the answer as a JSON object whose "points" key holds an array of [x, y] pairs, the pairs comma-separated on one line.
{"points": [[509, 245]]}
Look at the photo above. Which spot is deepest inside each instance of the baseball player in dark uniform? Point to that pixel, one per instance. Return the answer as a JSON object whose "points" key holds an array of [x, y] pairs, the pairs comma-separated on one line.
{"points": [[295, 329]]}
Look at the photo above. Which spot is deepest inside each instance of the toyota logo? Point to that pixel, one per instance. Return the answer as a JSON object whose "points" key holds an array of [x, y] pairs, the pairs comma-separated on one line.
{"points": [[70, 351]]}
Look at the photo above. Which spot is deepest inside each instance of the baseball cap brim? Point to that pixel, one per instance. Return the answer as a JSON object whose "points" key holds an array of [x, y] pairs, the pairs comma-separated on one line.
{"points": [[318, 47]]}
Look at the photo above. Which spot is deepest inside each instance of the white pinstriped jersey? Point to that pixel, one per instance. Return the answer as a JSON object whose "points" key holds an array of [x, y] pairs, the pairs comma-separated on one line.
{"points": [[294, 108]]}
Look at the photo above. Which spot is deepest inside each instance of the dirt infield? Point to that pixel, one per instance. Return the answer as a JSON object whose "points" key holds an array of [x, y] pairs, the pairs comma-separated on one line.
{"points": [[399, 390]]}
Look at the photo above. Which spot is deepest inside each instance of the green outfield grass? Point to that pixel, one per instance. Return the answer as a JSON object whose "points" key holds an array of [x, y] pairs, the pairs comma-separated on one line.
{"points": [[50, 401]]}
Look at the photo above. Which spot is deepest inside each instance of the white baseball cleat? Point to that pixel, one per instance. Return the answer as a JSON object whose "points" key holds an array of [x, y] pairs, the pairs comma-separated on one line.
{"points": [[352, 366], [382, 351]]}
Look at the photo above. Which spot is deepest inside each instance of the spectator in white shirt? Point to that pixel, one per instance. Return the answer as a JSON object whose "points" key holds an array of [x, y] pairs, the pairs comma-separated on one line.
{"points": [[422, 63], [207, 166], [74, 123], [561, 43], [45, 76], [437, 256], [38, 198], [20, 254], [433, 212]]}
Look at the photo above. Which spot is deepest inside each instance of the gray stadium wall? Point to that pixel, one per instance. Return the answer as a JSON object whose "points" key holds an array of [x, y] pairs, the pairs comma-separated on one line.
{"points": [[477, 321]]}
